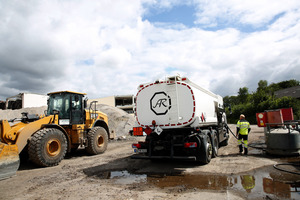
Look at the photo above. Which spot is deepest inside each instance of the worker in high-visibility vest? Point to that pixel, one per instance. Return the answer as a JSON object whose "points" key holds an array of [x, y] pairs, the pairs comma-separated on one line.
{"points": [[242, 131]]}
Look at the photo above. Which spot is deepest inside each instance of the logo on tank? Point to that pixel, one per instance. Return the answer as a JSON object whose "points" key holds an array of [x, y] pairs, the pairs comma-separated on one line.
{"points": [[160, 103]]}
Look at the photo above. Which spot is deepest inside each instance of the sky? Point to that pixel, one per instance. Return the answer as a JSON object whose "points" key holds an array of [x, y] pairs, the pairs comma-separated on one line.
{"points": [[106, 48]]}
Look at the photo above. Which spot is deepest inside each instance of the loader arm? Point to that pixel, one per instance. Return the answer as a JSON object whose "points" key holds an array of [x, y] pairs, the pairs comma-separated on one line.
{"points": [[25, 133]]}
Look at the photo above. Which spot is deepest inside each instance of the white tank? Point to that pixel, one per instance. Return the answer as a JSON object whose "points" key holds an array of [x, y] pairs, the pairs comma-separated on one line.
{"points": [[176, 102]]}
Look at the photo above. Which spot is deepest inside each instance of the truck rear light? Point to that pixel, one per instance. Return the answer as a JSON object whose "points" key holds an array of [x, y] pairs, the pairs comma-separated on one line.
{"points": [[138, 131], [138, 145], [190, 145]]}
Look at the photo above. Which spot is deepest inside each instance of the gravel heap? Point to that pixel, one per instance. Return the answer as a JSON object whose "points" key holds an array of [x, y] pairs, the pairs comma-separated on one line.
{"points": [[119, 122]]}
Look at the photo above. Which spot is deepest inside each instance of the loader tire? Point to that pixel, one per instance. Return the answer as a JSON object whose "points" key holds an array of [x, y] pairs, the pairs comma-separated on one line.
{"points": [[47, 147], [97, 141]]}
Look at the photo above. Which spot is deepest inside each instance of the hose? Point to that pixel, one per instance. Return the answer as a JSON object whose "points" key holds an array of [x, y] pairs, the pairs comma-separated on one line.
{"points": [[284, 170], [226, 126], [256, 147]]}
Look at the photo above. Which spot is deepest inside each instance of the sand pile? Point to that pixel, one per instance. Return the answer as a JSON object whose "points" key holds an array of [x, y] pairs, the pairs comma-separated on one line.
{"points": [[119, 122]]}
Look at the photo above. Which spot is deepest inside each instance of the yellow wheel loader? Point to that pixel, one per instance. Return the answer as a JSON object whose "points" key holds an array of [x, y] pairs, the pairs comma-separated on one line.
{"points": [[67, 125]]}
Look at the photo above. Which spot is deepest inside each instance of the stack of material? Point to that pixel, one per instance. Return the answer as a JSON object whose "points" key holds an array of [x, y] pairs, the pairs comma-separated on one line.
{"points": [[119, 121], [12, 114]]}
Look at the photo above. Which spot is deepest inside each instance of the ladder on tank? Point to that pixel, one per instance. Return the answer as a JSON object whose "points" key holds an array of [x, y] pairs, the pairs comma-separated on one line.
{"points": [[174, 112]]}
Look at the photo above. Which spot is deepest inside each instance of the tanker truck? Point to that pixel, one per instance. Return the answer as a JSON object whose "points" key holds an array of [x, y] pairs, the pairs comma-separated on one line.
{"points": [[179, 120]]}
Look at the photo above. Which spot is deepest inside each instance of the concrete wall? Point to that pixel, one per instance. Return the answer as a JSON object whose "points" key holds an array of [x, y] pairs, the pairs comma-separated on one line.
{"points": [[105, 100], [124, 102]]}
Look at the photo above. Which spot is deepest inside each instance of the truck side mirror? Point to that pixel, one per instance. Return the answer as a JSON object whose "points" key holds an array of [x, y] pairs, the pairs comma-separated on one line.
{"points": [[229, 108]]}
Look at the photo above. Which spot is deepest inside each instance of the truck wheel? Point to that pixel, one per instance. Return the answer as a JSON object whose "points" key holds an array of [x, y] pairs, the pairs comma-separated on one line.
{"points": [[206, 150], [47, 147], [97, 140], [215, 145]]}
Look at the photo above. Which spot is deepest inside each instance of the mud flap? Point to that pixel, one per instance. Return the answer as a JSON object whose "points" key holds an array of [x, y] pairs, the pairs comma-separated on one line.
{"points": [[9, 160]]}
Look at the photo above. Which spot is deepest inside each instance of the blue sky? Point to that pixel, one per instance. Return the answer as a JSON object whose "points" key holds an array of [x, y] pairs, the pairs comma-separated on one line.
{"points": [[106, 48], [183, 14], [186, 15]]}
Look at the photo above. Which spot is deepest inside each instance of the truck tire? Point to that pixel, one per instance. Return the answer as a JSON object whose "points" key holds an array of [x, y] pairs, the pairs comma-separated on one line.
{"points": [[206, 149], [215, 144], [47, 147], [97, 140]]}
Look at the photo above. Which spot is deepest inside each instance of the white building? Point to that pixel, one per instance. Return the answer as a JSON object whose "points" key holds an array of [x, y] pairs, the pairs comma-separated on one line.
{"points": [[124, 102], [26, 100]]}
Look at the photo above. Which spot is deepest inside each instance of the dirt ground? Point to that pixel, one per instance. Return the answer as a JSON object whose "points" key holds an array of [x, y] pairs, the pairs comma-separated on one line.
{"points": [[114, 175]]}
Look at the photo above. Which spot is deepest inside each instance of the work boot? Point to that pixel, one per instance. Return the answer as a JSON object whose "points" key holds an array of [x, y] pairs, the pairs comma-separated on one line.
{"points": [[241, 148], [246, 151]]}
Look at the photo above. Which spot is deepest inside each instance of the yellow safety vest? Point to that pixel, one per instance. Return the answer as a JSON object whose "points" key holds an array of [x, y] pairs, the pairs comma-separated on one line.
{"points": [[243, 125]]}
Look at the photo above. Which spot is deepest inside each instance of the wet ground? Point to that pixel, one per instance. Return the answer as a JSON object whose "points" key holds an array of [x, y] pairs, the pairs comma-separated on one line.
{"points": [[265, 182], [114, 175]]}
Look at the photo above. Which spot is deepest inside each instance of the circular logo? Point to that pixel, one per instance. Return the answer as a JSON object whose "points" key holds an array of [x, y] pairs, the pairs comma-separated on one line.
{"points": [[160, 103]]}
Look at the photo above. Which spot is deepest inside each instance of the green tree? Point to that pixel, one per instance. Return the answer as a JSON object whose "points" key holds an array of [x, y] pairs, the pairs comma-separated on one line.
{"points": [[262, 85], [260, 100], [283, 84], [243, 95], [288, 84], [230, 100]]}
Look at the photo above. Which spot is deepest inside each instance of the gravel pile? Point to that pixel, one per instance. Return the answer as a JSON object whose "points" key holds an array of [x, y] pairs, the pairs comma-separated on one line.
{"points": [[119, 121], [12, 114]]}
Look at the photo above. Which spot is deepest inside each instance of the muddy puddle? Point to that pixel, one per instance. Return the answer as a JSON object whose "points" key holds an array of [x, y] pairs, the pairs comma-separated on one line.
{"points": [[265, 182]]}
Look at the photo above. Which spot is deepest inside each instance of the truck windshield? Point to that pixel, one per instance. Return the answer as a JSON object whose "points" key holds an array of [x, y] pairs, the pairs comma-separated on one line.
{"points": [[61, 103]]}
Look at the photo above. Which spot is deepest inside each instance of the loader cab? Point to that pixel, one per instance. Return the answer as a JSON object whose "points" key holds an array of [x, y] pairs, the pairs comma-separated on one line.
{"points": [[70, 106]]}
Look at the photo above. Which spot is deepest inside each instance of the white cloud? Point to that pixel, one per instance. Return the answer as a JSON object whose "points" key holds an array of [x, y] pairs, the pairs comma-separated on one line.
{"points": [[104, 47], [249, 12]]}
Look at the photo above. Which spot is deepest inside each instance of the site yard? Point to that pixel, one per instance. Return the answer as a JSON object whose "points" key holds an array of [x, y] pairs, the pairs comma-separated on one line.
{"points": [[114, 175]]}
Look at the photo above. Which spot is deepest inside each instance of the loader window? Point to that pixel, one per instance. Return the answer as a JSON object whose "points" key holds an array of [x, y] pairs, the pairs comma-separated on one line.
{"points": [[77, 113], [60, 102]]}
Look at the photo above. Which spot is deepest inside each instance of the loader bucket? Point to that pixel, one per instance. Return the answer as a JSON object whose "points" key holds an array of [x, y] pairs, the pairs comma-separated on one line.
{"points": [[9, 160]]}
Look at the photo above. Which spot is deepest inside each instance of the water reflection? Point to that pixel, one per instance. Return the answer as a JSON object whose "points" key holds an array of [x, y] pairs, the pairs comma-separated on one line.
{"points": [[259, 183], [248, 182], [204, 182], [276, 188]]}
